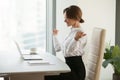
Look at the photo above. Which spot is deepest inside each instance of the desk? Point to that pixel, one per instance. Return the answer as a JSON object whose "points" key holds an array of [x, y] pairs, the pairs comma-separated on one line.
{"points": [[18, 69]]}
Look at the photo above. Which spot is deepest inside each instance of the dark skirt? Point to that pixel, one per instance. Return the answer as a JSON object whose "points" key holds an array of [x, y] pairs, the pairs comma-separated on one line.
{"points": [[77, 67]]}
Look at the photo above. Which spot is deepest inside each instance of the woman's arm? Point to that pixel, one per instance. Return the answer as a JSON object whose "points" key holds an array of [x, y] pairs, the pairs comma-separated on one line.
{"points": [[56, 44]]}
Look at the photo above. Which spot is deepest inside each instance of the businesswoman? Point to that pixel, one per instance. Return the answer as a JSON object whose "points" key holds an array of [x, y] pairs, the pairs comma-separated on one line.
{"points": [[73, 45]]}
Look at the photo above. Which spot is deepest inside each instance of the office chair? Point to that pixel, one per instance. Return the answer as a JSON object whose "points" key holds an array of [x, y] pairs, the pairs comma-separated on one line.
{"points": [[95, 56]]}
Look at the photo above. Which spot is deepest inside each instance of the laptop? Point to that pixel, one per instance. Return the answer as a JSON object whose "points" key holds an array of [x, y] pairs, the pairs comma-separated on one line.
{"points": [[28, 56]]}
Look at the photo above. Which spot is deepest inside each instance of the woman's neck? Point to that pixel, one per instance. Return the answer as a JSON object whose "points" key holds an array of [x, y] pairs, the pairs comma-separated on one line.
{"points": [[76, 25]]}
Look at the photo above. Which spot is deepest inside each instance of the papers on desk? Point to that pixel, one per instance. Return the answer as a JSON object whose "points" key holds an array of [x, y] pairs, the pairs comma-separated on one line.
{"points": [[39, 62], [31, 57]]}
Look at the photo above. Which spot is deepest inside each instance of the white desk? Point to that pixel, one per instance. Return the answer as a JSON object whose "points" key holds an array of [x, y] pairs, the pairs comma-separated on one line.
{"points": [[18, 69]]}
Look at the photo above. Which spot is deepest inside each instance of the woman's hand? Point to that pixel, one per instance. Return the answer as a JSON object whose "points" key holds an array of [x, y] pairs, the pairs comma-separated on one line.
{"points": [[79, 35], [55, 32]]}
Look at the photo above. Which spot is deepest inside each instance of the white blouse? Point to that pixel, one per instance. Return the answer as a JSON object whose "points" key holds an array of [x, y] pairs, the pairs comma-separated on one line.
{"points": [[70, 46]]}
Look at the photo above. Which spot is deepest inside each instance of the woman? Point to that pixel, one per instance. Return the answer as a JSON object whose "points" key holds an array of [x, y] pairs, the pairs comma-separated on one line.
{"points": [[73, 45]]}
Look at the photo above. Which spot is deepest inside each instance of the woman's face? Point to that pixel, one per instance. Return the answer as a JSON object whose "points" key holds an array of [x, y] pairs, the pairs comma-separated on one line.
{"points": [[68, 21]]}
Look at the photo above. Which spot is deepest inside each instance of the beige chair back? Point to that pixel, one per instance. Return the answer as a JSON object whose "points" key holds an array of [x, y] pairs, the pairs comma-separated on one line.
{"points": [[95, 56]]}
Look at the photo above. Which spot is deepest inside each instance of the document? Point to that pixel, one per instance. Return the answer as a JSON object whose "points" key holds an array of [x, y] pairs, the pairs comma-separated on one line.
{"points": [[39, 62]]}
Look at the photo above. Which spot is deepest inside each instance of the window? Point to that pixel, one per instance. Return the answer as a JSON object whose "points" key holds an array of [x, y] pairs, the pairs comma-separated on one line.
{"points": [[24, 20], [31, 18]]}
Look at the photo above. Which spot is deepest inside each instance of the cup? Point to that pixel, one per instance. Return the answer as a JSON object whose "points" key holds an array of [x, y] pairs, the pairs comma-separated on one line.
{"points": [[33, 51]]}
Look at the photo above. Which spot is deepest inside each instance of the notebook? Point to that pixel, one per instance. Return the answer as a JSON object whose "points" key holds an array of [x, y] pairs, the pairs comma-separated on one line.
{"points": [[28, 56]]}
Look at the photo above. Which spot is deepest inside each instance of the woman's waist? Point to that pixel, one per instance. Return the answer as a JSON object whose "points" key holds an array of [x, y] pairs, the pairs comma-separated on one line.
{"points": [[73, 54], [73, 58]]}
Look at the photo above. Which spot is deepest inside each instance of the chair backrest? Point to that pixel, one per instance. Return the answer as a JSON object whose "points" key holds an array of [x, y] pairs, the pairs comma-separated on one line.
{"points": [[95, 56]]}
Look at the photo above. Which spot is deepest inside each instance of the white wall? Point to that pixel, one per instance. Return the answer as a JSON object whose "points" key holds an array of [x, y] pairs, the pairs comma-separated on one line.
{"points": [[96, 13]]}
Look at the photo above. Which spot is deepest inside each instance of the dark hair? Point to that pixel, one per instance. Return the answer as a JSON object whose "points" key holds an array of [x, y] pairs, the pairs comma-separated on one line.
{"points": [[74, 12]]}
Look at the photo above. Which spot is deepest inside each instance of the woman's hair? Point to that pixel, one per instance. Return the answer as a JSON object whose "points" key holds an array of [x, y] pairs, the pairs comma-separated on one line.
{"points": [[74, 12]]}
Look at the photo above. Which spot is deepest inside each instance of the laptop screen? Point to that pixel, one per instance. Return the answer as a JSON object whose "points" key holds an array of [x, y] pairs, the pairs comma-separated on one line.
{"points": [[27, 56]]}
